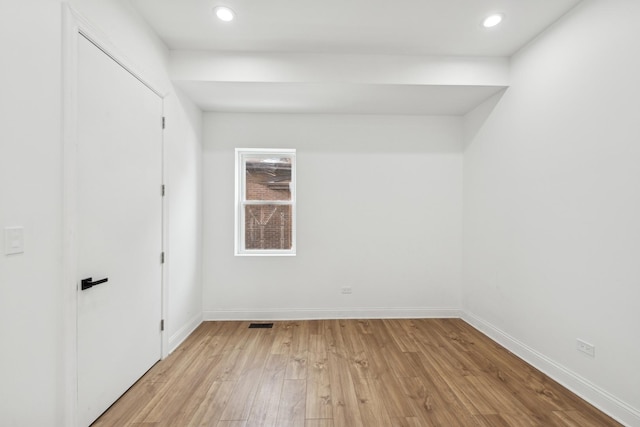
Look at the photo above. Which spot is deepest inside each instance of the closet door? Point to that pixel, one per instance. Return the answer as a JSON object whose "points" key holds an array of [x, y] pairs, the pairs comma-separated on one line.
{"points": [[119, 206]]}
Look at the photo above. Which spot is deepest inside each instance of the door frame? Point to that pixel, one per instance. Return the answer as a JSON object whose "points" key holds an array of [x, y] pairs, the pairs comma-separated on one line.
{"points": [[74, 25]]}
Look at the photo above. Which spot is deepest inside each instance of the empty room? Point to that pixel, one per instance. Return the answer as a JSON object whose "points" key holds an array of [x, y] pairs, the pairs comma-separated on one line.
{"points": [[320, 214]]}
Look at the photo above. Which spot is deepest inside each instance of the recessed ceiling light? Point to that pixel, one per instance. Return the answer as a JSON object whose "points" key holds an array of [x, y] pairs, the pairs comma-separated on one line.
{"points": [[492, 20], [224, 13]]}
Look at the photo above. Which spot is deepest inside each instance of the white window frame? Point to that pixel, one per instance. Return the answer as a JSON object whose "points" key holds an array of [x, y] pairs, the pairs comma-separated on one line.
{"points": [[240, 200]]}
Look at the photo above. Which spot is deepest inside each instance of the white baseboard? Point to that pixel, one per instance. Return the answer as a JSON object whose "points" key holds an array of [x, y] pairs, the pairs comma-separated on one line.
{"points": [[344, 313], [183, 333], [582, 387]]}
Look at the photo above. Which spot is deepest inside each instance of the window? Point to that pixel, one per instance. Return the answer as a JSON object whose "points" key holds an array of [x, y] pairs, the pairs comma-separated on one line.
{"points": [[265, 202]]}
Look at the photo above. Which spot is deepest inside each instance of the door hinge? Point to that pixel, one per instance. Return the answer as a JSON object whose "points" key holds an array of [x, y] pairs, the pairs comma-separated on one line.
{"points": [[162, 325], [163, 190], [163, 122], [162, 258]]}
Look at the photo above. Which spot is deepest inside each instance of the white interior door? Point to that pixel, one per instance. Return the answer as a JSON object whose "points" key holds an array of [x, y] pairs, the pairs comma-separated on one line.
{"points": [[119, 230]]}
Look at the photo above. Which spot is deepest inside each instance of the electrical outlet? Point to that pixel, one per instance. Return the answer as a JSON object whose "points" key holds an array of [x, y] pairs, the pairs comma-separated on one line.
{"points": [[586, 348], [346, 290]]}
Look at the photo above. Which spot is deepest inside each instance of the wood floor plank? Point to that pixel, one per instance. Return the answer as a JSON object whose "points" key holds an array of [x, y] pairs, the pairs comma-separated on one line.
{"points": [[169, 404], [298, 358], [202, 392], [282, 340], [406, 422], [354, 335], [255, 355], [229, 423], [491, 420], [239, 352], [291, 411], [429, 403], [474, 400], [403, 339], [397, 402], [377, 363], [209, 409], [318, 395], [351, 349], [442, 403], [128, 407], [371, 402], [540, 394], [264, 410], [402, 364], [521, 383], [318, 423], [315, 327], [345, 409], [347, 373], [499, 397], [577, 419]]}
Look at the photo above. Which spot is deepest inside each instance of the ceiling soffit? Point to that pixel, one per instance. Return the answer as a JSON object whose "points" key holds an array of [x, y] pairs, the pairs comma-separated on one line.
{"points": [[330, 83]]}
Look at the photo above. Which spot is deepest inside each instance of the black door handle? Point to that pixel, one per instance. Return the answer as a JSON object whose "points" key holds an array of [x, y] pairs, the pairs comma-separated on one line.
{"points": [[87, 283]]}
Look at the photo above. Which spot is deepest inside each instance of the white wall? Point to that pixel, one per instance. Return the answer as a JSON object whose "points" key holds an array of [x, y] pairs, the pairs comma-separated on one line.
{"points": [[30, 195], [552, 205], [183, 161], [379, 209], [33, 364]]}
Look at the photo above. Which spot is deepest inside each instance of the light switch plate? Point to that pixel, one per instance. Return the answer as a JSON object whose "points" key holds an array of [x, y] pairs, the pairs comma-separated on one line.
{"points": [[13, 240]]}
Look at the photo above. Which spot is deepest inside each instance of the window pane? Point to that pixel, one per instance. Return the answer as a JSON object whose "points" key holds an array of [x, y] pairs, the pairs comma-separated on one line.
{"points": [[267, 226], [268, 178]]}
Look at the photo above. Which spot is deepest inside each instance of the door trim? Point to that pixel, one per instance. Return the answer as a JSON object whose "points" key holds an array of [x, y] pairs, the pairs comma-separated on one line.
{"points": [[74, 25]]}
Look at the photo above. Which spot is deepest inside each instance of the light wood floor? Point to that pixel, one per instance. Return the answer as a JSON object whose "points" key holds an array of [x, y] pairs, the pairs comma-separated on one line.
{"points": [[347, 373]]}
